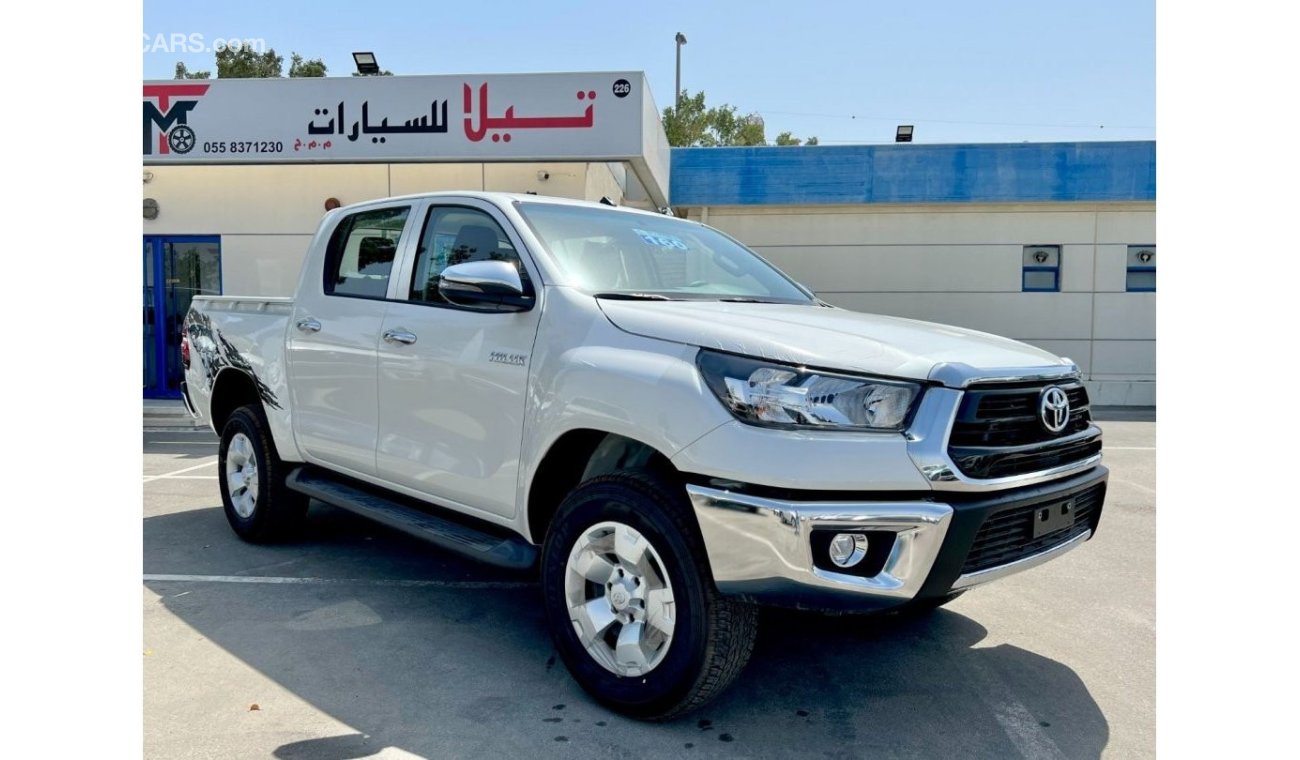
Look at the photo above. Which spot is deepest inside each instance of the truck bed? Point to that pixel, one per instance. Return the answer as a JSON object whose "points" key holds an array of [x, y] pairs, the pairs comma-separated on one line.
{"points": [[244, 334]]}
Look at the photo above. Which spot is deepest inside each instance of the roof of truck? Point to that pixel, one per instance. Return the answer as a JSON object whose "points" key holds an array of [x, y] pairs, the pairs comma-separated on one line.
{"points": [[502, 198]]}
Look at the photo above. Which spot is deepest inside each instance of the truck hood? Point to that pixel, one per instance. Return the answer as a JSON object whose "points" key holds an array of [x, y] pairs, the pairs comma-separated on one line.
{"points": [[817, 336]]}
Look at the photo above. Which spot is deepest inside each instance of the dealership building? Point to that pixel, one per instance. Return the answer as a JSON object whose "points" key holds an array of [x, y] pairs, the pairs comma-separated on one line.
{"points": [[1049, 243]]}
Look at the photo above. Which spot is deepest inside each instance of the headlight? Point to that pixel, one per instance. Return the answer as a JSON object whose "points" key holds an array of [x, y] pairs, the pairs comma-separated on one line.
{"points": [[778, 395]]}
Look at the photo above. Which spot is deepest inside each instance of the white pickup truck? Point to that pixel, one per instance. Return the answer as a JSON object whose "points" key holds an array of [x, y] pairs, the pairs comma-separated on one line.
{"points": [[663, 424]]}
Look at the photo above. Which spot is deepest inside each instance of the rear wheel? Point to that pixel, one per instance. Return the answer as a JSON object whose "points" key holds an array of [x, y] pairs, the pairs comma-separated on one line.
{"points": [[630, 601], [258, 505]]}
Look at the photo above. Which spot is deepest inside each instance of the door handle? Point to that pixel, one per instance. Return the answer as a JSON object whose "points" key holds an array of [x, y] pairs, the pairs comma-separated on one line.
{"points": [[398, 335], [308, 325]]}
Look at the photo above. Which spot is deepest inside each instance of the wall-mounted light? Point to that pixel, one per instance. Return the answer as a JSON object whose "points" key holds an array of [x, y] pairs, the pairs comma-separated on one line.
{"points": [[148, 176], [150, 208], [1041, 269], [904, 133], [1140, 276], [332, 203]]}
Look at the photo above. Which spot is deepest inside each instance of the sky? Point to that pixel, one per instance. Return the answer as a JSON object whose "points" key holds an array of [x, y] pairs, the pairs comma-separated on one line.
{"points": [[846, 72]]}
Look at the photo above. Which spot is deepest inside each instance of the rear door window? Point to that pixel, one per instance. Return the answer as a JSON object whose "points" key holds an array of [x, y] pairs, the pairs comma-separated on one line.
{"points": [[362, 250]]}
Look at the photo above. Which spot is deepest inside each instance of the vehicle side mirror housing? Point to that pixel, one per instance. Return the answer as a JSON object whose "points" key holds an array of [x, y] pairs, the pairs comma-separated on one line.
{"points": [[494, 285]]}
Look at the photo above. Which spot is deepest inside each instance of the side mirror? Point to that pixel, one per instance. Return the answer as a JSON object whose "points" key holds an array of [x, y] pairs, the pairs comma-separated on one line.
{"points": [[492, 284]]}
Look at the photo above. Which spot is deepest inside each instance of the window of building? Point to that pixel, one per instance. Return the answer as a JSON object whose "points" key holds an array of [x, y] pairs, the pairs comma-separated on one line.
{"points": [[361, 252], [1141, 277], [1042, 269], [456, 235]]}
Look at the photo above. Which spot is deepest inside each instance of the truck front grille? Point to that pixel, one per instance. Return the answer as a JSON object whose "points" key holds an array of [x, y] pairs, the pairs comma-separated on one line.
{"points": [[998, 432], [1008, 535]]}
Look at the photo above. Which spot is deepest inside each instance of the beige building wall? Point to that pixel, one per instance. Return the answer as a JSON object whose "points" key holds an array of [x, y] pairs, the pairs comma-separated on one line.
{"points": [[962, 266], [266, 214]]}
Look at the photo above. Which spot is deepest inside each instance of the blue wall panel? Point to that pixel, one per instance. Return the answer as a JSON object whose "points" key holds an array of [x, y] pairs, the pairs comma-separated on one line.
{"points": [[912, 173]]}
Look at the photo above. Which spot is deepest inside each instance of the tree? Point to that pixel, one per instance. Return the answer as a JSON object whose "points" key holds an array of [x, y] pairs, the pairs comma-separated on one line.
{"points": [[184, 73], [300, 68], [788, 138], [246, 63], [693, 124], [382, 73]]}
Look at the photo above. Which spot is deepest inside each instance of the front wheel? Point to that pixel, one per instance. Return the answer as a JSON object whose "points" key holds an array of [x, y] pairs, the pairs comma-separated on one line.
{"points": [[258, 505], [630, 600]]}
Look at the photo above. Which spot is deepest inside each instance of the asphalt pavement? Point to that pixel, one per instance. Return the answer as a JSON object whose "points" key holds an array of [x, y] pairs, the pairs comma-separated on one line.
{"points": [[356, 641]]}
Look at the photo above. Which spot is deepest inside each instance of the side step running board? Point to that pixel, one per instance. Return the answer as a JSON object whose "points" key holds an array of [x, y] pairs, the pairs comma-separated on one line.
{"points": [[503, 551]]}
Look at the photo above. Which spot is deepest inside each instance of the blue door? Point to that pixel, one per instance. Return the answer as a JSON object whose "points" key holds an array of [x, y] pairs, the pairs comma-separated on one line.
{"points": [[176, 268]]}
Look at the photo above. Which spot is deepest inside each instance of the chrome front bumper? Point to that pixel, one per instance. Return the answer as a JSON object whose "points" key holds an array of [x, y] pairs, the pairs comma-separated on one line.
{"points": [[760, 548]]}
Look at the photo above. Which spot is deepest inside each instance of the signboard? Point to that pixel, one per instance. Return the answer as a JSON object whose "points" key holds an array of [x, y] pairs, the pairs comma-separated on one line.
{"points": [[589, 116], [501, 117]]}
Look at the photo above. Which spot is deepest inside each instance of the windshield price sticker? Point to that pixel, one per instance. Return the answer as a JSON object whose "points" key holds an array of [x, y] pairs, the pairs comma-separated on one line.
{"points": [[661, 240]]}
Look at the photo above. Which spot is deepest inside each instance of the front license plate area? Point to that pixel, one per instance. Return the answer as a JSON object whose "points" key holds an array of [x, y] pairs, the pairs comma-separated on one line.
{"points": [[1052, 518]]}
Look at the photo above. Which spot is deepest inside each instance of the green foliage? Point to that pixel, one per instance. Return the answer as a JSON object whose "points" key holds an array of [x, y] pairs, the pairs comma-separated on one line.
{"points": [[300, 68], [788, 138], [693, 124], [184, 73], [246, 63], [382, 73]]}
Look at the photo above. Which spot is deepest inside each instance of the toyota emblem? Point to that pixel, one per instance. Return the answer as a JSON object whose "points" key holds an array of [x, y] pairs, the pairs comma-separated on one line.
{"points": [[1053, 409]]}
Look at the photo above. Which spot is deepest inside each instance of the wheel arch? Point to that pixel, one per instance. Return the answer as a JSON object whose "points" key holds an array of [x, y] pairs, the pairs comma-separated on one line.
{"points": [[231, 389], [578, 456]]}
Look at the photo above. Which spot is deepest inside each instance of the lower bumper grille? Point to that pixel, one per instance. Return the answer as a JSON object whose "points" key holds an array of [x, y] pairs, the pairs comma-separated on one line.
{"points": [[1008, 535]]}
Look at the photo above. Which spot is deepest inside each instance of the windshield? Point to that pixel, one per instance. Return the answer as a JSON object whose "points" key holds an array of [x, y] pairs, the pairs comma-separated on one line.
{"points": [[617, 254]]}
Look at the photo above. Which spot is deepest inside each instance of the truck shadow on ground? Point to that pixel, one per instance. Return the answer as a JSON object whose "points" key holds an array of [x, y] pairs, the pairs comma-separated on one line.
{"points": [[446, 669]]}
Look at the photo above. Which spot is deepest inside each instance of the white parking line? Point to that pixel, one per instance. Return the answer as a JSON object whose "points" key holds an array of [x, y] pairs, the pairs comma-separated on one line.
{"points": [[148, 478], [187, 477], [1138, 486], [365, 581]]}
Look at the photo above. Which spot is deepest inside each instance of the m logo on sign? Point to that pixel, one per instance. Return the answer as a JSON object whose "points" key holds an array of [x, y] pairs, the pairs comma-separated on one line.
{"points": [[1053, 409], [169, 116]]}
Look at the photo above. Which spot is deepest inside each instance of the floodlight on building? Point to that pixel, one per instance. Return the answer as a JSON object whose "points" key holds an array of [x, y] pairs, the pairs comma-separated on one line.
{"points": [[904, 133], [366, 63]]}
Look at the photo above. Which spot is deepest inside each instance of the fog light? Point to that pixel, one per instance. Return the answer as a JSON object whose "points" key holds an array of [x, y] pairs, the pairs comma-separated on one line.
{"points": [[848, 549]]}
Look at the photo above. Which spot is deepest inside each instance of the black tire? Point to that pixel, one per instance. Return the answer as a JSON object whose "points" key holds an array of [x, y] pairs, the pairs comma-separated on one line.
{"points": [[713, 635], [276, 511]]}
